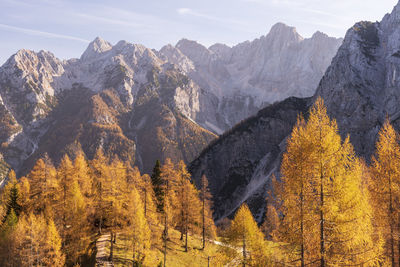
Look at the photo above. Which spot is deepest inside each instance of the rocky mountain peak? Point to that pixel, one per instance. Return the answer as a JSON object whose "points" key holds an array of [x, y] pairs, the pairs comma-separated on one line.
{"points": [[220, 49], [175, 56], [198, 53], [284, 32], [319, 36], [96, 47], [29, 63]]}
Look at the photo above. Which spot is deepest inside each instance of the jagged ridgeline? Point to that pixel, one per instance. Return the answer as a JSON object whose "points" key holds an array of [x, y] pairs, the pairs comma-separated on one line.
{"points": [[141, 104]]}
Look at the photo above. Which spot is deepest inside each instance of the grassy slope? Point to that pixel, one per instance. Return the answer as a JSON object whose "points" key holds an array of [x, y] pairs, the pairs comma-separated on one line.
{"points": [[176, 256]]}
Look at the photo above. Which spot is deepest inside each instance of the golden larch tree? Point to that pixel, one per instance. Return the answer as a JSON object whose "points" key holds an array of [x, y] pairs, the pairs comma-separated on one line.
{"points": [[385, 187], [140, 231], [326, 210], [208, 228], [244, 233]]}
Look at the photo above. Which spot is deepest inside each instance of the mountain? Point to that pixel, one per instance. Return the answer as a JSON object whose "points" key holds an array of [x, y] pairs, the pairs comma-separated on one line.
{"points": [[361, 88], [122, 98], [242, 79], [141, 104]]}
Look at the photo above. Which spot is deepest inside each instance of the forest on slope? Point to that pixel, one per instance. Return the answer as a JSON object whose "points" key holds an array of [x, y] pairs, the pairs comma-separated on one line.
{"points": [[329, 208]]}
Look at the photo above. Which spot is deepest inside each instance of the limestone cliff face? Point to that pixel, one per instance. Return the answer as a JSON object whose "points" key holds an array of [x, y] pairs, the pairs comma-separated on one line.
{"points": [[242, 79], [362, 86]]}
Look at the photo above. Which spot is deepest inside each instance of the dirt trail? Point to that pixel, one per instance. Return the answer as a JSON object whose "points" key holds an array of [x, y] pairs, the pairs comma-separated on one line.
{"points": [[102, 251]]}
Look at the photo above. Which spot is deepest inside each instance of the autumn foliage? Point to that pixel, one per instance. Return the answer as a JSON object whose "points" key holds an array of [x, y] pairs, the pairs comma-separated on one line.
{"points": [[327, 207], [51, 216]]}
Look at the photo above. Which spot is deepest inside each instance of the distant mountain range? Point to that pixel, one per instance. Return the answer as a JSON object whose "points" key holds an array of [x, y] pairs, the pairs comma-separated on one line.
{"points": [[360, 88], [141, 104]]}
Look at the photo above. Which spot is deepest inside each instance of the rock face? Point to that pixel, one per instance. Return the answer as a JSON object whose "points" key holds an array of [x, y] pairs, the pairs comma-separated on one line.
{"points": [[360, 88], [242, 79], [144, 104]]}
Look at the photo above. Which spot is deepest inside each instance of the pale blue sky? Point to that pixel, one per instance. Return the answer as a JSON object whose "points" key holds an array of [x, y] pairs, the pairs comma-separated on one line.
{"points": [[65, 27]]}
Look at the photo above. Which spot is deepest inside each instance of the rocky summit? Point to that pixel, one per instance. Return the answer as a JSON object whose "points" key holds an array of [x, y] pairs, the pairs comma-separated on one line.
{"points": [[141, 104], [242, 79]]}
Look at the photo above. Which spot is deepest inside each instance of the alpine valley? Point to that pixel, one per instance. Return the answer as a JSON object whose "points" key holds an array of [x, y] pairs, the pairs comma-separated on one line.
{"points": [[281, 151]]}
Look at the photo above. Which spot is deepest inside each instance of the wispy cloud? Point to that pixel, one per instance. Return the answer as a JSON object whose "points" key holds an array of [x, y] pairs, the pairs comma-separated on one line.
{"points": [[113, 21], [42, 33], [306, 6], [191, 12]]}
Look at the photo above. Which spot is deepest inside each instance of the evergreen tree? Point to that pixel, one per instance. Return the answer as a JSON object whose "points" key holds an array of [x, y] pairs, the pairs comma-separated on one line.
{"points": [[11, 192], [158, 183]]}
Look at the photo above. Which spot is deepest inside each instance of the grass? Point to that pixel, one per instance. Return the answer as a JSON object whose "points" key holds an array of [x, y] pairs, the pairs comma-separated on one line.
{"points": [[176, 255]]}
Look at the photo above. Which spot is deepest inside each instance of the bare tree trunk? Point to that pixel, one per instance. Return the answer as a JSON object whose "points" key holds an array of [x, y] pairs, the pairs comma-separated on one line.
{"points": [[100, 206], [186, 241], [244, 245], [110, 258], [165, 233], [322, 233], [145, 202], [302, 227], [391, 220], [204, 222], [244, 250], [399, 238], [165, 240]]}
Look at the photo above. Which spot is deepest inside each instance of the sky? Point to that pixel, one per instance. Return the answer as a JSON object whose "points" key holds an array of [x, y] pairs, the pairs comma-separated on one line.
{"points": [[65, 27]]}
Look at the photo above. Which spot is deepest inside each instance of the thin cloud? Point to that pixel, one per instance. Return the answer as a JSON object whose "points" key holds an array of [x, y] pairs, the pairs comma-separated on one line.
{"points": [[296, 5], [191, 12], [42, 33], [111, 20], [108, 15]]}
